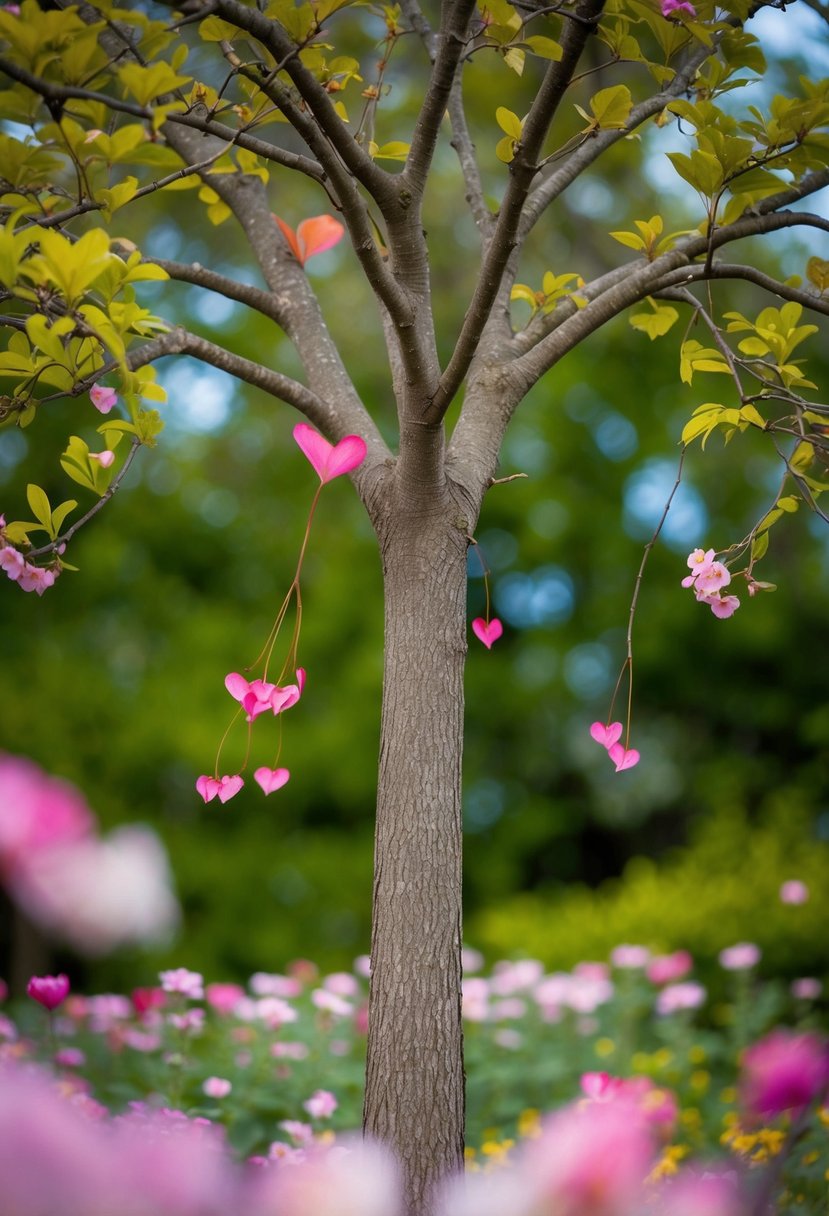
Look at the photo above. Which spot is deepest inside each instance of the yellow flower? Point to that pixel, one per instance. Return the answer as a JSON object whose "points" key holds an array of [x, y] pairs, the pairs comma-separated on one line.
{"points": [[604, 1047]]}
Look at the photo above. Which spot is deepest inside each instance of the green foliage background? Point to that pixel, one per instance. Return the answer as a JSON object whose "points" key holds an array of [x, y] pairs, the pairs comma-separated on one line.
{"points": [[114, 678]]}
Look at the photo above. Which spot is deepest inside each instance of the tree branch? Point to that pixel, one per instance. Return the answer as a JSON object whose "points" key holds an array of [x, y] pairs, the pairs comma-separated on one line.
{"points": [[589, 152], [450, 45], [724, 270], [465, 149], [522, 171], [265, 302], [380, 185]]}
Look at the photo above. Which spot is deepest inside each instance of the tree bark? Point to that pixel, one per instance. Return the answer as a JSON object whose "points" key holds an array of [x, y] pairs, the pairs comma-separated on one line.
{"points": [[414, 1098]]}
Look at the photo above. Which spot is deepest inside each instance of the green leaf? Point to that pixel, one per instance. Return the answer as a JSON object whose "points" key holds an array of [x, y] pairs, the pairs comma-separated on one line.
{"points": [[657, 323], [753, 416], [611, 107], [39, 503], [759, 546], [631, 239], [547, 48], [790, 503], [514, 58], [60, 513]]}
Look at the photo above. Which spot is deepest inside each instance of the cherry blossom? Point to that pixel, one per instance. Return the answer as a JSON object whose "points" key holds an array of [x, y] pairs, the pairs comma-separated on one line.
{"points": [[12, 561], [36, 578], [103, 398]]}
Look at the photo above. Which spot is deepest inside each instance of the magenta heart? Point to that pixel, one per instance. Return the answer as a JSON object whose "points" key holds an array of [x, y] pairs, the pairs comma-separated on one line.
{"points": [[284, 698], [327, 459], [487, 631], [271, 779], [606, 735], [621, 758], [228, 786]]}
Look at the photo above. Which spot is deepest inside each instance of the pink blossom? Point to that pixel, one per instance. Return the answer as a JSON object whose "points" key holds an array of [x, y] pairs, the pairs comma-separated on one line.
{"points": [[285, 1050], [183, 982], [353, 1177], [300, 1133], [190, 1022], [783, 1071], [342, 983], [794, 892], [105, 458], [216, 1087], [329, 460], [740, 957], [606, 735], [4, 991], [271, 779], [224, 997], [723, 606], [321, 1104], [665, 968], [145, 1000], [275, 1012], [329, 1002], [208, 787], [12, 561], [670, 7], [70, 1057], [487, 631], [264, 984], [806, 988], [103, 398], [700, 561], [633, 958], [712, 579], [692, 1193], [623, 757], [509, 977], [36, 811], [36, 578], [48, 990], [257, 696], [675, 997]]}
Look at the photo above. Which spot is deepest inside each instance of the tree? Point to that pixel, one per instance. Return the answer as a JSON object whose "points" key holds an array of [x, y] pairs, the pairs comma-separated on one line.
{"points": [[96, 90]]}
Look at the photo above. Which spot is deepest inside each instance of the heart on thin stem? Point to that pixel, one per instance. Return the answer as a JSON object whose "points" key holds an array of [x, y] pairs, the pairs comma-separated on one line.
{"points": [[271, 779], [329, 460], [623, 757], [606, 735], [487, 631]]}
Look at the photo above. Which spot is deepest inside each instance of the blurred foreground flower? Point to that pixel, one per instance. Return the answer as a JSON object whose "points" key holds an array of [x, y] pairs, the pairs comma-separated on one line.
{"points": [[96, 894], [784, 1071]]}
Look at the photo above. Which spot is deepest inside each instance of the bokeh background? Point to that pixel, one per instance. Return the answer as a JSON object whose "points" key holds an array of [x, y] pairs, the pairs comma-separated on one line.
{"points": [[115, 678]]}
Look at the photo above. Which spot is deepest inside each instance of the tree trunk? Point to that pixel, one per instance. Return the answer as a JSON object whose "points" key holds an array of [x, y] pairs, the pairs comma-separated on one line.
{"points": [[414, 1079]]}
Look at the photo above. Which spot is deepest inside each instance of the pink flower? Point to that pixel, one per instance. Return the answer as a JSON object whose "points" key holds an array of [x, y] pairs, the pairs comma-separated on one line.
{"points": [[321, 1104], [216, 1087], [676, 997], [784, 1071], [691, 1193], [606, 735], [271, 779], [103, 398], [105, 458], [36, 812], [257, 696], [36, 578], [806, 989], [670, 7], [300, 1133], [487, 631], [700, 561], [4, 991], [712, 579], [723, 606], [70, 1057], [634, 958], [183, 982], [329, 460], [224, 997], [665, 968], [48, 990], [740, 957], [314, 235], [12, 561], [794, 892], [329, 1002]]}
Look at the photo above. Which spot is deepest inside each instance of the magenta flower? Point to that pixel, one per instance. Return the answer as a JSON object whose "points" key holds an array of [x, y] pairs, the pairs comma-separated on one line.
{"points": [[665, 968], [487, 631], [671, 7], [794, 892], [321, 1104], [329, 460], [784, 1071], [271, 779], [48, 990], [740, 957], [103, 398], [257, 696]]}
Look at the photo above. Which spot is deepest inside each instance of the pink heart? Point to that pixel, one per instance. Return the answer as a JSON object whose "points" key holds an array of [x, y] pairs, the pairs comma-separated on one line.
{"points": [[328, 460], [606, 735], [271, 779], [487, 632], [284, 698], [229, 786], [208, 787], [237, 685], [621, 758]]}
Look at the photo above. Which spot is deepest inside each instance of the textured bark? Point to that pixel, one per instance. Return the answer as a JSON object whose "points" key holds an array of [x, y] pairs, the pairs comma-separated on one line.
{"points": [[414, 1085]]}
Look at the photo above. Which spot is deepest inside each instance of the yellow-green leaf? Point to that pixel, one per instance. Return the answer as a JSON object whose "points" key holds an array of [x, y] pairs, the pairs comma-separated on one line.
{"points": [[39, 503], [509, 122]]}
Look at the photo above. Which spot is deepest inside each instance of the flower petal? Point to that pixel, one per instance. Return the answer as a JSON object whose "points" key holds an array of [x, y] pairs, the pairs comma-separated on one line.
{"points": [[271, 779]]}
